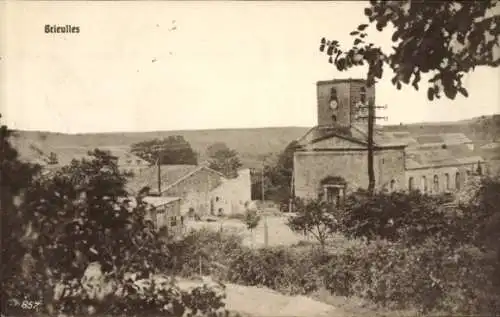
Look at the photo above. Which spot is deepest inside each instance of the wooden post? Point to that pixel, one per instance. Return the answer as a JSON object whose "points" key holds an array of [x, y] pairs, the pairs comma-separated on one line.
{"points": [[266, 235], [371, 173], [159, 175], [199, 261]]}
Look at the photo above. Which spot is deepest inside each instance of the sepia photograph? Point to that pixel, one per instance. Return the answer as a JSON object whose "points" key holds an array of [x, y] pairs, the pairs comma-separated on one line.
{"points": [[250, 158]]}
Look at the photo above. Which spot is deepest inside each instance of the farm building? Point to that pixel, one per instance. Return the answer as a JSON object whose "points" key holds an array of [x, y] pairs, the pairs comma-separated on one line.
{"points": [[332, 157], [166, 214], [202, 190]]}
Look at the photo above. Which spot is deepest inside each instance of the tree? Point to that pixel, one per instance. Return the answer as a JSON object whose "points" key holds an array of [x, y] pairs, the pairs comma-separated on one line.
{"points": [[402, 217], [280, 175], [15, 177], [316, 217], [446, 38], [83, 214], [171, 150], [252, 219], [223, 159]]}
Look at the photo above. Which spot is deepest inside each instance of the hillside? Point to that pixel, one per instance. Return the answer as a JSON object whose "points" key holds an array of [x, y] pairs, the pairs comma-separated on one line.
{"points": [[252, 144], [480, 130]]}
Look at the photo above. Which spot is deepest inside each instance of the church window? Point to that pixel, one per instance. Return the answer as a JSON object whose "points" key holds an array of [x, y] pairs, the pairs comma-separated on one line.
{"points": [[457, 180], [436, 184], [411, 184], [393, 185], [334, 118], [424, 184], [447, 181], [333, 94]]}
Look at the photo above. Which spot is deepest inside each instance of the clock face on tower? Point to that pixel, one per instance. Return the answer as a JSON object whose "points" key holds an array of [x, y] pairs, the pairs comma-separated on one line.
{"points": [[333, 104]]}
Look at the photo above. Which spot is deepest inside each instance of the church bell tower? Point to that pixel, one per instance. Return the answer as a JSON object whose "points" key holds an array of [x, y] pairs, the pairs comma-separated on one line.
{"points": [[339, 101]]}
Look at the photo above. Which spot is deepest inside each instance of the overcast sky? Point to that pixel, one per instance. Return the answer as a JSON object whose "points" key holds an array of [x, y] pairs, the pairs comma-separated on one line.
{"points": [[226, 65]]}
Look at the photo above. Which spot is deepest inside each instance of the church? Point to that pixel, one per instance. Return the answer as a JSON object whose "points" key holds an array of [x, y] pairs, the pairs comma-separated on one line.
{"points": [[332, 157]]}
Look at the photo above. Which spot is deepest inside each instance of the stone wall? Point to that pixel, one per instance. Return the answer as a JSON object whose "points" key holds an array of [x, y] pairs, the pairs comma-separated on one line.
{"points": [[445, 174], [312, 167], [233, 194], [195, 191]]}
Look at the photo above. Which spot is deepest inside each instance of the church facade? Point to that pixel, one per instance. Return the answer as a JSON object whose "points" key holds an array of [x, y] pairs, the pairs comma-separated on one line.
{"points": [[332, 157]]}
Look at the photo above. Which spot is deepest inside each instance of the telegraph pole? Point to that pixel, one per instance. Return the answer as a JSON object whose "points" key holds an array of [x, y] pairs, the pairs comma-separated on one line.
{"points": [[371, 117], [159, 174], [266, 236]]}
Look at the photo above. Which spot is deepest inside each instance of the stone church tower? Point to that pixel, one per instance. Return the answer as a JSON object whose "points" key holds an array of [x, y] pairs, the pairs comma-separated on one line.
{"points": [[339, 100]]}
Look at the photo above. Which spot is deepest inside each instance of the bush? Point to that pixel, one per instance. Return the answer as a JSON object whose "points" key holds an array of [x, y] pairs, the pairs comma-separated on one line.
{"points": [[203, 247], [429, 277]]}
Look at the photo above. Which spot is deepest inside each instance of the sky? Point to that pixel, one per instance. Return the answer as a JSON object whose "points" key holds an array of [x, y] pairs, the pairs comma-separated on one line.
{"points": [[149, 66]]}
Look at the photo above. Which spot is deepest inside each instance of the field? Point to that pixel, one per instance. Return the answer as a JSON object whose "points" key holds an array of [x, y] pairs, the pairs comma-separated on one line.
{"points": [[279, 234], [258, 143]]}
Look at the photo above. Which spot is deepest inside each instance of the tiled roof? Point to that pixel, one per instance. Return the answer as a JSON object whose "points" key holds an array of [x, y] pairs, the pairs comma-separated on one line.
{"points": [[149, 176], [457, 155], [491, 146], [159, 200], [356, 133], [425, 139]]}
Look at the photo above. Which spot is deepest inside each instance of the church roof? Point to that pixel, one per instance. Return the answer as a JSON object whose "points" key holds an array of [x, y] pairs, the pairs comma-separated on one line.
{"points": [[355, 133], [422, 151]]}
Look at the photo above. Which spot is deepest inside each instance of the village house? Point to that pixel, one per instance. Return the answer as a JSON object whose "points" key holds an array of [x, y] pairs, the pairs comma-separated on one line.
{"points": [[202, 190], [332, 157], [166, 214]]}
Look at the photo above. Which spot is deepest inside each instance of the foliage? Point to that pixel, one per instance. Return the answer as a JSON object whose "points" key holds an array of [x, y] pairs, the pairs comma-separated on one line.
{"points": [[277, 268], [429, 277], [202, 246], [447, 38], [171, 150], [399, 217], [56, 227], [15, 176], [223, 159], [279, 176], [83, 214], [252, 219], [482, 213], [316, 217]]}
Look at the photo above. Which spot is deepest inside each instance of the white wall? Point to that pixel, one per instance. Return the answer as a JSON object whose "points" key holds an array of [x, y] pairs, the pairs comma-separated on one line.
{"points": [[232, 194]]}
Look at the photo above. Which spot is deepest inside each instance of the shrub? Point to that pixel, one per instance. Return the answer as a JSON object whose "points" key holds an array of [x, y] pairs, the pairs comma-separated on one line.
{"points": [[408, 218], [203, 247]]}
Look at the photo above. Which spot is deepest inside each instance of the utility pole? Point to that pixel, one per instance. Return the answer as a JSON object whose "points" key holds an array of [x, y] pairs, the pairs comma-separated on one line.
{"points": [[159, 174], [266, 235], [371, 117]]}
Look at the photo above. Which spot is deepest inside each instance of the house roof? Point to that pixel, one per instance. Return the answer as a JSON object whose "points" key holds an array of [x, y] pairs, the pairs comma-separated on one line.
{"points": [[169, 174], [438, 156], [157, 201], [443, 138]]}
